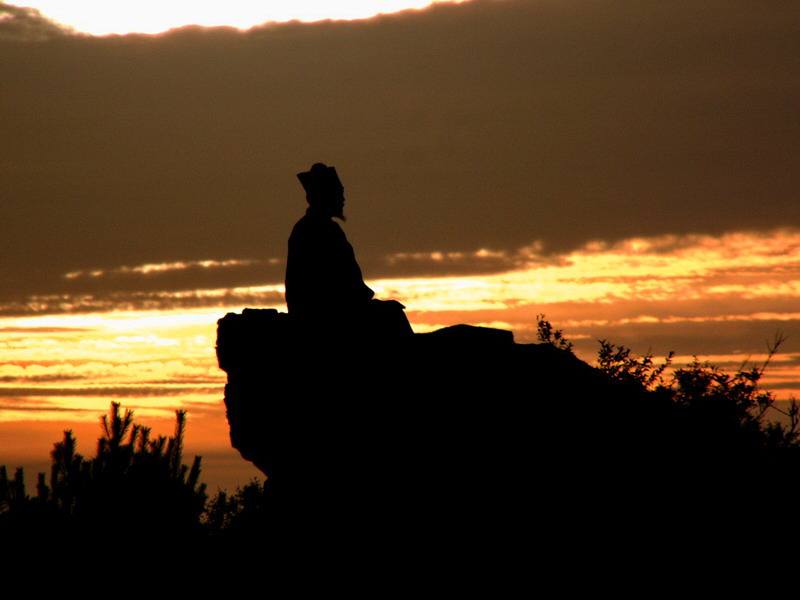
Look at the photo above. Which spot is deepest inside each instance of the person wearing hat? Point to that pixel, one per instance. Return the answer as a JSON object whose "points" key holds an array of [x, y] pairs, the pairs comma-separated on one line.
{"points": [[324, 284]]}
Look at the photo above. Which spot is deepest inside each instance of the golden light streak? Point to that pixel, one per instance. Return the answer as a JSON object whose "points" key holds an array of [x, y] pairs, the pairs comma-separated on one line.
{"points": [[172, 350], [62, 370], [149, 268], [750, 317], [658, 268], [122, 351], [104, 17]]}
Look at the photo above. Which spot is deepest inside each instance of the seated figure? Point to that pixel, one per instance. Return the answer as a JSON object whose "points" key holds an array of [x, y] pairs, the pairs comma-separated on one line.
{"points": [[324, 284]]}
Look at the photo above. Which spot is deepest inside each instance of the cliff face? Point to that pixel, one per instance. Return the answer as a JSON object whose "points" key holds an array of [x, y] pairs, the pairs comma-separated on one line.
{"points": [[449, 391], [464, 435], [463, 412]]}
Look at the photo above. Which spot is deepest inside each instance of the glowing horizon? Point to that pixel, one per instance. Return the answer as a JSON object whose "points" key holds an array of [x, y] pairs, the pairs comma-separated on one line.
{"points": [[61, 369], [101, 18], [69, 363]]}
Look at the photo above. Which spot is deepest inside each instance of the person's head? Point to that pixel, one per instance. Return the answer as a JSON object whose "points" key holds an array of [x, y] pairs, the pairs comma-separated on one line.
{"points": [[324, 190]]}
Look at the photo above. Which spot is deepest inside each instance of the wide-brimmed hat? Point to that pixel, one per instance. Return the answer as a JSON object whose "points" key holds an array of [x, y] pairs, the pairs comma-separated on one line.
{"points": [[319, 180]]}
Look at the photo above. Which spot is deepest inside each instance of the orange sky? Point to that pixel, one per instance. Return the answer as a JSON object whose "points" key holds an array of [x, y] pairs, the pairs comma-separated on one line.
{"points": [[665, 293]]}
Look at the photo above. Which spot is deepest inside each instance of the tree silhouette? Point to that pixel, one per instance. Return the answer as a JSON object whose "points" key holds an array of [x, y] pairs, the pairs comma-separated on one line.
{"points": [[132, 477]]}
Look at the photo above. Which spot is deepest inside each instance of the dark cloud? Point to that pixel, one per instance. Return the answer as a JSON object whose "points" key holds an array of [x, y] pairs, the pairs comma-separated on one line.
{"points": [[43, 407], [204, 408], [169, 277], [687, 326], [77, 303], [20, 24], [483, 125], [197, 380], [689, 338], [138, 391], [674, 307], [54, 378], [785, 385], [192, 362], [43, 330]]}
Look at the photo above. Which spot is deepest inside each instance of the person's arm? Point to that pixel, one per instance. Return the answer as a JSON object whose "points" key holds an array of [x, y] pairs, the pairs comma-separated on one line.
{"points": [[352, 278]]}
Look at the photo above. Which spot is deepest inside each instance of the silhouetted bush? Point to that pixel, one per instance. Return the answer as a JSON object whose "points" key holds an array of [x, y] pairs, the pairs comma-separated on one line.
{"points": [[137, 481], [717, 409], [241, 515]]}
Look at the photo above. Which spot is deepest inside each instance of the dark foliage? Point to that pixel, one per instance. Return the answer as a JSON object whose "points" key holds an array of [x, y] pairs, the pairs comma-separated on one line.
{"points": [[132, 477], [548, 335], [730, 411], [240, 516]]}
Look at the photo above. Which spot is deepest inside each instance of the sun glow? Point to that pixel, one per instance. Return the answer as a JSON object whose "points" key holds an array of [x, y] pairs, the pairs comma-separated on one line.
{"points": [[101, 17]]}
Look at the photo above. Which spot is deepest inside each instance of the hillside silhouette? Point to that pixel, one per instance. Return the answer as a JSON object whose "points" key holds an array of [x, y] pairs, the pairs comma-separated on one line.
{"points": [[458, 442], [463, 432]]}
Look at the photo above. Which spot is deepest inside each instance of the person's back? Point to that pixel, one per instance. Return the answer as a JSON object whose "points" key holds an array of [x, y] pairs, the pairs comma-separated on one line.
{"points": [[322, 275], [324, 284]]}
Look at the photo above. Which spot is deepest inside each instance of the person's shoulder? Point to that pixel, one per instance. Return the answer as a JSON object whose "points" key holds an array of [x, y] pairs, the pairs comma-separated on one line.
{"points": [[301, 223], [305, 223], [315, 227]]}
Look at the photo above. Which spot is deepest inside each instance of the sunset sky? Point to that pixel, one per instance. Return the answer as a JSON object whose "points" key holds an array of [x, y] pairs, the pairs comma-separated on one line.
{"points": [[629, 168]]}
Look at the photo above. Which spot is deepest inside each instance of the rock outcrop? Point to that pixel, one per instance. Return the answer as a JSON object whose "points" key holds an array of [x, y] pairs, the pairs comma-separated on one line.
{"points": [[460, 389], [461, 448], [440, 424], [465, 442]]}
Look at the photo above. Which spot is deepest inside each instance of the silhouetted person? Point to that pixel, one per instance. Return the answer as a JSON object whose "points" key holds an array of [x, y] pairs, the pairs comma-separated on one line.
{"points": [[324, 284]]}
